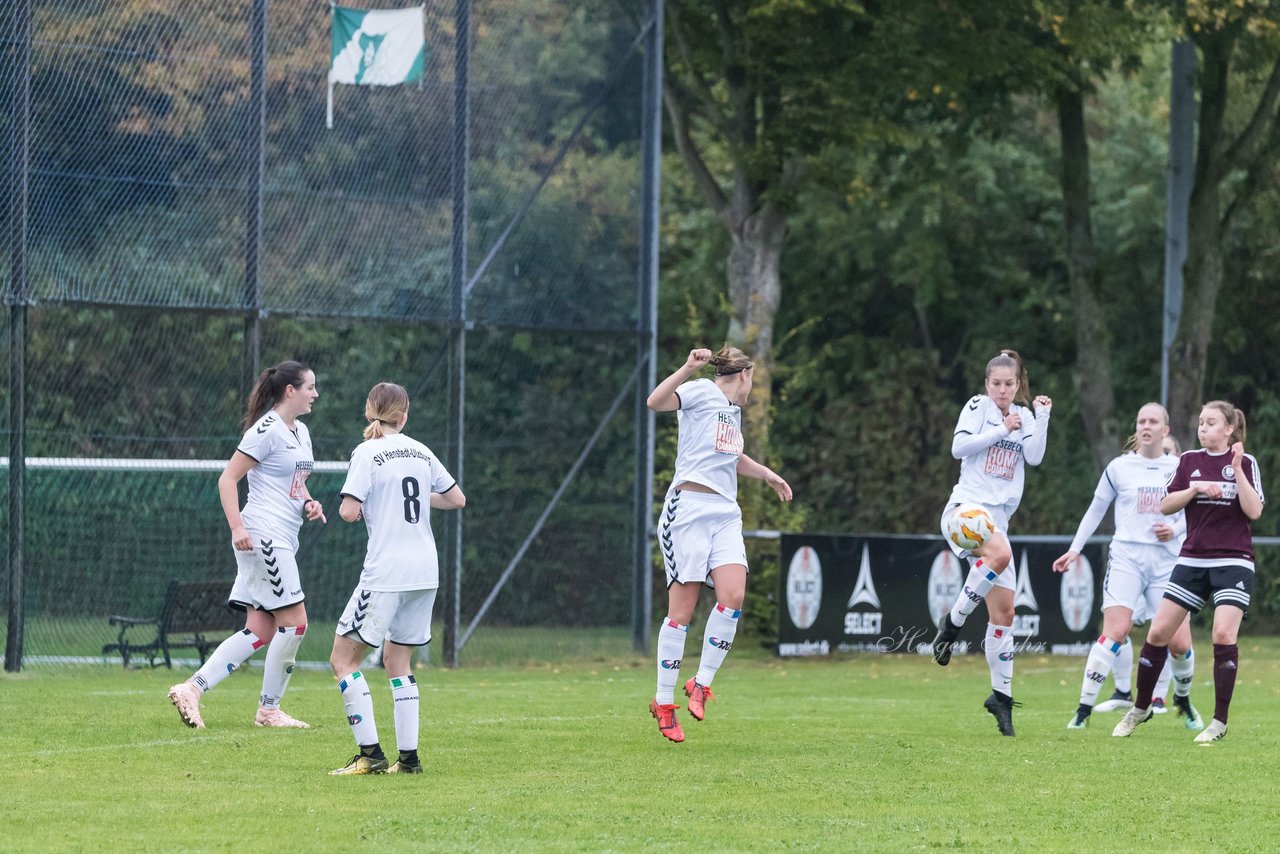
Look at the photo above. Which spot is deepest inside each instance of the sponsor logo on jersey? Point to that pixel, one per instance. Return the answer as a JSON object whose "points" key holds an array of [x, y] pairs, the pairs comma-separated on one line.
{"points": [[1002, 459], [804, 587], [864, 593]]}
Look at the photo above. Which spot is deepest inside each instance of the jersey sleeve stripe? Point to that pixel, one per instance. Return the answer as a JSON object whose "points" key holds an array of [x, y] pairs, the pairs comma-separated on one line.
{"points": [[451, 486]]}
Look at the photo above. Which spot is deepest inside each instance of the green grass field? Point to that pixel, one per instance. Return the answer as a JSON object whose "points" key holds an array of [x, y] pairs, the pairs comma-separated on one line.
{"points": [[867, 753]]}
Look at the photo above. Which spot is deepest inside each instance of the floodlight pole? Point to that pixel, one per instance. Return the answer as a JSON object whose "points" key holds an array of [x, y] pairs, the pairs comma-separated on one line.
{"points": [[1181, 177], [255, 151], [19, 231], [647, 337], [451, 571]]}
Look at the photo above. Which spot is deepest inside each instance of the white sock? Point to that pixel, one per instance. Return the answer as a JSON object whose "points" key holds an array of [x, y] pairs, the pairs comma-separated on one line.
{"points": [[359, 707], [999, 649], [670, 650], [1123, 668], [1184, 671], [976, 587], [226, 659], [1102, 658], [1162, 683], [404, 698], [278, 667], [722, 626]]}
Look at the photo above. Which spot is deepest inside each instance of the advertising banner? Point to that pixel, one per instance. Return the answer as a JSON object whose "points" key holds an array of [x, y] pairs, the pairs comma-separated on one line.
{"points": [[845, 593]]}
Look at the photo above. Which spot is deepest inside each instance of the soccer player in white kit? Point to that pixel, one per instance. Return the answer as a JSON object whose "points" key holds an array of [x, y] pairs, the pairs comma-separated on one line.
{"points": [[994, 437], [275, 454], [1143, 551], [392, 483], [700, 530]]}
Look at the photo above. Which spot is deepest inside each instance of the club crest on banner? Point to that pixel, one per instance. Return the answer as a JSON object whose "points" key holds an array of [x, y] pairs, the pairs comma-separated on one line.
{"points": [[1077, 594], [804, 587], [946, 576]]}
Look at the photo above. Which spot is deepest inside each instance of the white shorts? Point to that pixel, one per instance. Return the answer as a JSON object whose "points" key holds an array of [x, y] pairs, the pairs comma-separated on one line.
{"points": [[698, 532], [266, 577], [1137, 574], [1007, 579], [399, 616]]}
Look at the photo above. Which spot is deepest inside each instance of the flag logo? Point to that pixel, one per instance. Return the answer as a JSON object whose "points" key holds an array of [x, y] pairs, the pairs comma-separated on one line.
{"points": [[382, 47]]}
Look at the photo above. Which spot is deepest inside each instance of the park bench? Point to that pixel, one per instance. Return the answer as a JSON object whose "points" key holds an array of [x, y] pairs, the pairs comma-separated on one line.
{"points": [[194, 615]]}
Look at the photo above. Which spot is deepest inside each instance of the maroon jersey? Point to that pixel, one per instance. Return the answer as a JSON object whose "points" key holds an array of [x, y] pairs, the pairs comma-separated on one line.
{"points": [[1218, 532]]}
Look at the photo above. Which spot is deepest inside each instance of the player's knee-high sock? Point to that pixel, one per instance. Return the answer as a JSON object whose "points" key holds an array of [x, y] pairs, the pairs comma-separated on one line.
{"points": [[999, 649], [1150, 663], [722, 626], [1123, 668], [1184, 671], [976, 587], [276, 670], [1102, 658], [1226, 663], [404, 696], [358, 705], [226, 659], [670, 650], [1161, 690]]}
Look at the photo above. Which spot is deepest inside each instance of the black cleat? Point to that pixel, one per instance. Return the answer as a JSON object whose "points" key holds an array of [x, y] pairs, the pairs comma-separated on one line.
{"points": [[1001, 707], [944, 640]]}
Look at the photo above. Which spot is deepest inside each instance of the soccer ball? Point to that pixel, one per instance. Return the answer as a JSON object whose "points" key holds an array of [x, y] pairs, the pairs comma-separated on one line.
{"points": [[969, 526]]}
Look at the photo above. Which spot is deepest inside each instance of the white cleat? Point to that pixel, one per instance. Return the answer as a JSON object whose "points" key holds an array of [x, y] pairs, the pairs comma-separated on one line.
{"points": [[277, 718], [1214, 731], [186, 697], [1130, 722], [1118, 702]]}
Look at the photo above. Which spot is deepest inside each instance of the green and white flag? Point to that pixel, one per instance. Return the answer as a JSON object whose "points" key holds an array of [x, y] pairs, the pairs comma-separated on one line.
{"points": [[376, 47]]}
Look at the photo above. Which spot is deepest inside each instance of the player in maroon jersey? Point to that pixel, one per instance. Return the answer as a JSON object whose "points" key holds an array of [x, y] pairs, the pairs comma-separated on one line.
{"points": [[1221, 490]]}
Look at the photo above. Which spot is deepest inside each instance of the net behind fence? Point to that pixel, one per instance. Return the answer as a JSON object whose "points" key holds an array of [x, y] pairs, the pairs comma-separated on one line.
{"points": [[148, 284]]}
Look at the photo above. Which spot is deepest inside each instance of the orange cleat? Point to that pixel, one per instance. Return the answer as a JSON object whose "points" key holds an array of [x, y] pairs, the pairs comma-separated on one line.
{"points": [[699, 696], [667, 723]]}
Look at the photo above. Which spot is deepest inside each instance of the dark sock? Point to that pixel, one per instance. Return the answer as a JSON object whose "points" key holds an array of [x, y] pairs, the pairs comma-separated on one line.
{"points": [[409, 757], [1150, 662], [1083, 710], [1226, 662], [372, 751]]}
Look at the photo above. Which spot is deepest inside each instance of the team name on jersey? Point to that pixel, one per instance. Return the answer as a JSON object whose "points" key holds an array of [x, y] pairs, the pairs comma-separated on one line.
{"points": [[1002, 459], [399, 454], [728, 436]]}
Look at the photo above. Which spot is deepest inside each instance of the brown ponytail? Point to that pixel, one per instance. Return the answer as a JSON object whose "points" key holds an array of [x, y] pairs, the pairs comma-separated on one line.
{"points": [[270, 388], [1011, 359]]}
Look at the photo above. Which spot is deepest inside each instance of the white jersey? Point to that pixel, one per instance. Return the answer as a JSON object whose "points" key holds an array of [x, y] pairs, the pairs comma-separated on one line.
{"points": [[991, 457], [1136, 484], [710, 438], [393, 478], [277, 484]]}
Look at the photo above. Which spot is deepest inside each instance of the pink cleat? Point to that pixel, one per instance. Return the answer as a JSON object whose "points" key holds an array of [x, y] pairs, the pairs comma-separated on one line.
{"points": [[277, 718], [667, 723], [699, 696], [186, 697]]}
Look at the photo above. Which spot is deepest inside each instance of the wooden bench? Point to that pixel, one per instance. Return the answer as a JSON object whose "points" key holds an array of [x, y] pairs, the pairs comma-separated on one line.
{"points": [[194, 615]]}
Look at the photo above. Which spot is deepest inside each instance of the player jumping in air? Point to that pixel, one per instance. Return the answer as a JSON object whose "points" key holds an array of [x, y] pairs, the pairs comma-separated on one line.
{"points": [[700, 530], [994, 437]]}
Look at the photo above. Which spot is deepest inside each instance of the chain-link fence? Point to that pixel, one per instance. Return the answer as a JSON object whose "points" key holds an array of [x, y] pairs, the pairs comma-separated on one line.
{"points": [[180, 216]]}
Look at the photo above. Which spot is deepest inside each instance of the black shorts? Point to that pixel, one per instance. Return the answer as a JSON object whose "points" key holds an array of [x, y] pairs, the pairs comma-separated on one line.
{"points": [[1193, 587]]}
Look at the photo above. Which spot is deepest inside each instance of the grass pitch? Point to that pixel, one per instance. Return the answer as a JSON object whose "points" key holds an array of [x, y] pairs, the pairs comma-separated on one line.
{"points": [[866, 753]]}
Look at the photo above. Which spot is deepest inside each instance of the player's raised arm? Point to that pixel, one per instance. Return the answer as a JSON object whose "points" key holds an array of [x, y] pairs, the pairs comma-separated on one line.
{"points": [[664, 398]]}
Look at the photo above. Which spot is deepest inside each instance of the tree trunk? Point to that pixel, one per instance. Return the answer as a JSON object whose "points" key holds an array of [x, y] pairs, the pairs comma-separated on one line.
{"points": [[1093, 336], [755, 290]]}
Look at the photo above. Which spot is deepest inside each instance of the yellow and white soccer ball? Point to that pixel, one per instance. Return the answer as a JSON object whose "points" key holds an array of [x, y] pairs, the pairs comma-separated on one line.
{"points": [[969, 526]]}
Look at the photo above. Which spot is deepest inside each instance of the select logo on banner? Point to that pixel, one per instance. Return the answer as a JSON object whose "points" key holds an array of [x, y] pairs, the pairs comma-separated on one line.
{"points": [[1025, 625], [1077, 594], [864, 593], [804, 587]]}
